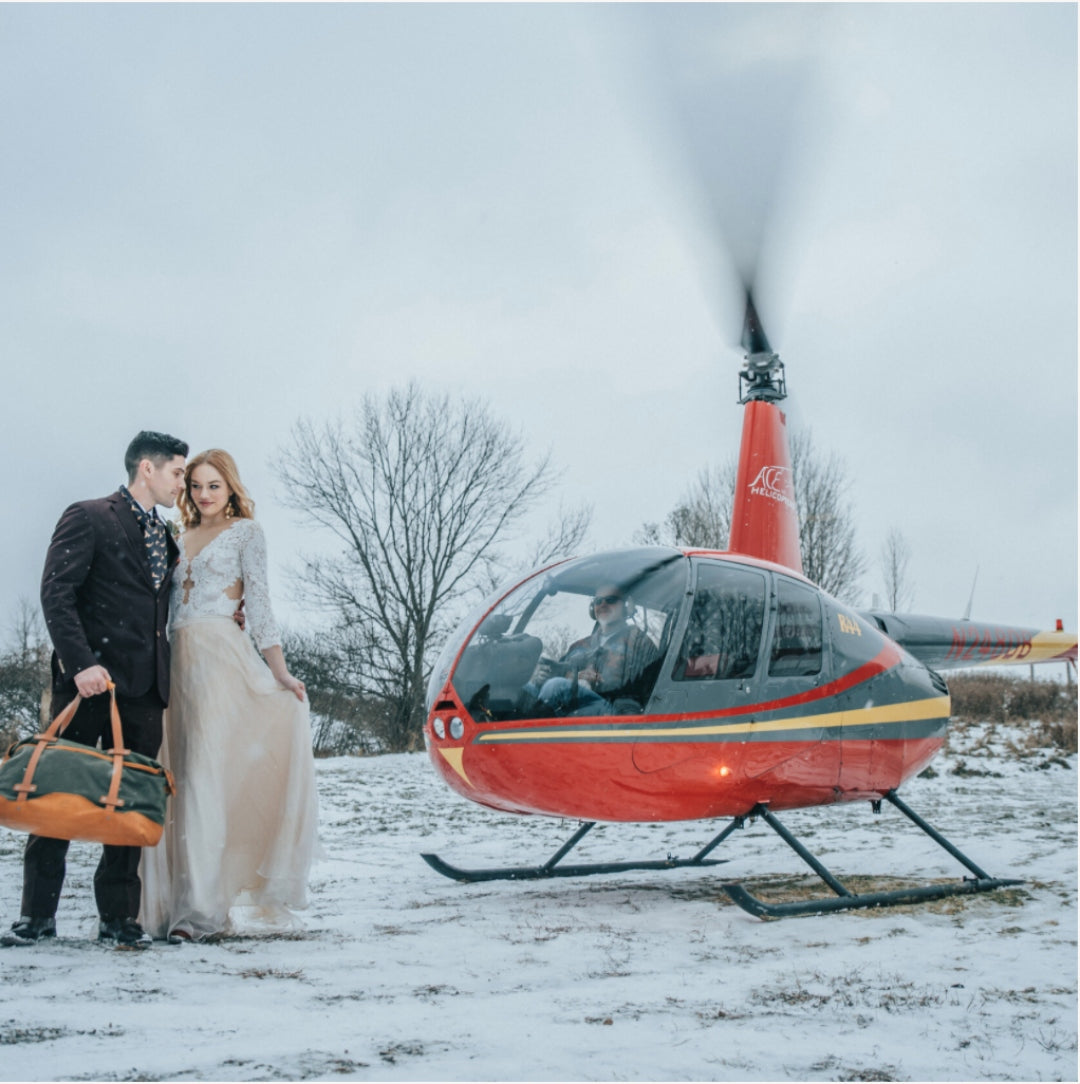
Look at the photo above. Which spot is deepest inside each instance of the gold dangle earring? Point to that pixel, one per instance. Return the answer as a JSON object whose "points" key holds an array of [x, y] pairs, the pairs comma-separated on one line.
{"points": [[230, 508]]}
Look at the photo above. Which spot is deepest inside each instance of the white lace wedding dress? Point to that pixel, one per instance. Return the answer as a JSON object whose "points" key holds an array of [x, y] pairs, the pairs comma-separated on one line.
{"points": [[241, 831]]}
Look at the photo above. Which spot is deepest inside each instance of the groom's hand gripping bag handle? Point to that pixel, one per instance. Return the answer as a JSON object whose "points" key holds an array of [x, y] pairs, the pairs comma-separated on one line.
{"points": [[56, 728], [27, 786], [63, 789]]}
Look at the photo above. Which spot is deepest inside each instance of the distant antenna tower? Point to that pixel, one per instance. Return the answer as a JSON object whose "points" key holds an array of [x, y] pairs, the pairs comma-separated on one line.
{"points": [[971, 597]]}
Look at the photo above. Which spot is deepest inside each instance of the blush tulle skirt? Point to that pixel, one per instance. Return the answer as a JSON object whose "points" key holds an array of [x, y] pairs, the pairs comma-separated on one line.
{"points": [[242, 830]]}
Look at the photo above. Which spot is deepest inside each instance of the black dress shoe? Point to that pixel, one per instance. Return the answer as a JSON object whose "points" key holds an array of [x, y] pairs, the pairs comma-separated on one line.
{"points": [[126, 932], [29, 931]]}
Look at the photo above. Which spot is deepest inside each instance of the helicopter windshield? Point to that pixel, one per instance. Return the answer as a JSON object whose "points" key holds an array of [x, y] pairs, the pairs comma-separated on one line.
{"points": [[587, 637]]}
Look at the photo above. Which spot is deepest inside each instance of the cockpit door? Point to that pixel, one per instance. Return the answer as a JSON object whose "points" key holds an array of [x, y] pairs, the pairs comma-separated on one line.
{"points": [[716, 648], [714, 659], [796, 662]]}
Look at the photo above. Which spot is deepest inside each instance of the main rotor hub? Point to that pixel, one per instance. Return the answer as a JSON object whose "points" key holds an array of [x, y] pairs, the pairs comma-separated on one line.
{"points": [[762, 377]]}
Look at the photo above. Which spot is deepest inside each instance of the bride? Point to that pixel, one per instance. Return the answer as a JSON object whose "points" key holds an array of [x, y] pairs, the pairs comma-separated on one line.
{"points": [[241, 831]]}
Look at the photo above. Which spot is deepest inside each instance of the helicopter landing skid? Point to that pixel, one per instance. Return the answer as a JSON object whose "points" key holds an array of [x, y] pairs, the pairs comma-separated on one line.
{"points": [[551, 868], [844, 900]]}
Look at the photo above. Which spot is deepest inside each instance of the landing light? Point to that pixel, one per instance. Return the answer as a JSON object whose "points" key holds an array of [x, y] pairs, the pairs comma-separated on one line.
{"points": [[457, 727], [439, 727]]}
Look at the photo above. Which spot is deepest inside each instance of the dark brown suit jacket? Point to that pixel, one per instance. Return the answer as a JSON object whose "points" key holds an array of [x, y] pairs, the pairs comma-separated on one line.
{"points": [[99, 600]]}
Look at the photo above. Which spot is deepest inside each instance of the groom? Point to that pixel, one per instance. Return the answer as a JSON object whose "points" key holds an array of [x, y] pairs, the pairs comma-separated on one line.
{"points": [[105, 596]]}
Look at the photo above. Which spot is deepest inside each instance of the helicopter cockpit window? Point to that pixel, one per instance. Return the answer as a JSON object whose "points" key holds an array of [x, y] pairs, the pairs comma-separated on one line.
{"points": [[585, 638], [723, 635], [796, 647]]}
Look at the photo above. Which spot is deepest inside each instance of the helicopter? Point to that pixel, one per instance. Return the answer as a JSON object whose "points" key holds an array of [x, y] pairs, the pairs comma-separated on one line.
{"points": [[744, 689]]}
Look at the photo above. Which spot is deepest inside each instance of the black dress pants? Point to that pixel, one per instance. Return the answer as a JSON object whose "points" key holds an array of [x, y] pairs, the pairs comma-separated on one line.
{"points": [[117, 887]]}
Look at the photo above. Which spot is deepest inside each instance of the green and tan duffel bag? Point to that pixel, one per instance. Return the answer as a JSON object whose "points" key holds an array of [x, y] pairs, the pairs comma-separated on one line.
{"points": [[66, 790]]}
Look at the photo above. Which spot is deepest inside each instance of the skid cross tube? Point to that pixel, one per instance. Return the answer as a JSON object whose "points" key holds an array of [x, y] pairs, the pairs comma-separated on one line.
{"points": [[847, 901], [551, 867]]}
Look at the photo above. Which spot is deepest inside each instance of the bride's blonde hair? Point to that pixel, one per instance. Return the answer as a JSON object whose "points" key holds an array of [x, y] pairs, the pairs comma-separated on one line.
{"points": [[240, 504]]}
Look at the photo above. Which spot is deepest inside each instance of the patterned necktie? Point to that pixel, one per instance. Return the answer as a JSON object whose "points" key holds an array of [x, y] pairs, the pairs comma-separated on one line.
{"points": [[157, 553]]}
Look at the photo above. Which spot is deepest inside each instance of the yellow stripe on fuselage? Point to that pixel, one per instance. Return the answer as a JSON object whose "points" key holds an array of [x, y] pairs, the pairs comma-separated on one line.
{"points": [[1044, 647], [936, 707]]}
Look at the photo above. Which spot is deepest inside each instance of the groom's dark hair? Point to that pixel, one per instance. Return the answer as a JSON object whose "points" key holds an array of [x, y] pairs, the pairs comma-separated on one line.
{"points": [[157, 447]]}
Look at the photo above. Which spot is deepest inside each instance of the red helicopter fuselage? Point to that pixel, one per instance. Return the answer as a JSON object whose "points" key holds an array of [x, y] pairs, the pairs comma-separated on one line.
{"points": [[708, 745], [739, 682]]}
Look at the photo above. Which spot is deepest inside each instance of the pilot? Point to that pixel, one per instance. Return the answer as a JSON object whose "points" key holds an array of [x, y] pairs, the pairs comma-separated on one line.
{"points": [[601, 668]]}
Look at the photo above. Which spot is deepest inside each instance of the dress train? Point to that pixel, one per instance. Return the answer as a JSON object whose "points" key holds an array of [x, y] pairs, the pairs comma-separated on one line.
{"points": [[241, 831]]}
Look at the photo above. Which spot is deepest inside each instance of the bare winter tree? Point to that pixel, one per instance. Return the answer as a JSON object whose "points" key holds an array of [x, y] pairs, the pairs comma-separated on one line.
{"points": [[895, 561], [830, 555], [345, 722], [703, 516], [562, 537], [24, 674], [422, 493]]}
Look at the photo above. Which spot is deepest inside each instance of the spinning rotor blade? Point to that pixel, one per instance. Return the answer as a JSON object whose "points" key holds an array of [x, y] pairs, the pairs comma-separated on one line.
{"points": [[753, 339], [733, 89]]}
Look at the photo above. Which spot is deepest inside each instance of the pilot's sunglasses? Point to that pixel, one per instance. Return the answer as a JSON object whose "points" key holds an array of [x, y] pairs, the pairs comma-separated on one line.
{"points": [[609, 600]]}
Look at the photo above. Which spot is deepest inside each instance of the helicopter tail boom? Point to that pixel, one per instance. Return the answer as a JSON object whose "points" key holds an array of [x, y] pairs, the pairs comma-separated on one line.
{"points": [[944, 644], [765, 521]]}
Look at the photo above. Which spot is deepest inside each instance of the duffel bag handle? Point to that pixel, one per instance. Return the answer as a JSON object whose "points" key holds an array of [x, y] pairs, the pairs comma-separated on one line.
{"points": [[112, 800], [114, 714], [27, 787], [59, 724], [55, 728]]}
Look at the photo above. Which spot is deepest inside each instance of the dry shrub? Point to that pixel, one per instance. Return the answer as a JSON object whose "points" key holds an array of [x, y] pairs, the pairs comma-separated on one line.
{"points": [[8, 736], [1001, 698], [979, 697], [1061, 735]]}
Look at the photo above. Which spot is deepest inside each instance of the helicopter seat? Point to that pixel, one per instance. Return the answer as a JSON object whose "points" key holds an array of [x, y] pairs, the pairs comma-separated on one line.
{"points": [[793, 656], [722, 664], [632, 697], [701, 666], [502, 664], [705, 646]]}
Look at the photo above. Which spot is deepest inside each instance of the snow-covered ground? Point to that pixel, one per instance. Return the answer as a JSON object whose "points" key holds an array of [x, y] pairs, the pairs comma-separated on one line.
{"points": [[402, 975]]}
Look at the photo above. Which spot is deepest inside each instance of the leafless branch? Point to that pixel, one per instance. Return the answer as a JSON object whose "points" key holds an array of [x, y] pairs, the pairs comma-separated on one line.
{"points": [[831, 557], [422, 493], [895, 558]]}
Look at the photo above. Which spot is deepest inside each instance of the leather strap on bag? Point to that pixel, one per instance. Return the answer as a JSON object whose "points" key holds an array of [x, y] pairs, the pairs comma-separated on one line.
{"points": [[27, 786], [111, 800]]}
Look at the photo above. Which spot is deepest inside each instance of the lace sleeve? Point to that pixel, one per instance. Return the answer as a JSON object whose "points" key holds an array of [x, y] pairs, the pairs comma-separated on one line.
{"points": [[260, 616]]}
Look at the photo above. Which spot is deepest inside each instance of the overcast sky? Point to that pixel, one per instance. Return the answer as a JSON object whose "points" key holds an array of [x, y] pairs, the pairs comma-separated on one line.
{"points": [[217, 219]]}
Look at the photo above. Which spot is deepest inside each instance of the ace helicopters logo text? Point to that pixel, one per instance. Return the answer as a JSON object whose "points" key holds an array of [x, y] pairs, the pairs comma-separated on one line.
{"points": [[774, 483]]}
